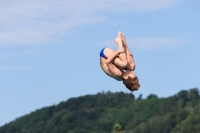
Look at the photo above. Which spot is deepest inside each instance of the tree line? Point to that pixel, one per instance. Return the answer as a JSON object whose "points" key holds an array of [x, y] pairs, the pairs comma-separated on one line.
{"points": [[100, 112]]}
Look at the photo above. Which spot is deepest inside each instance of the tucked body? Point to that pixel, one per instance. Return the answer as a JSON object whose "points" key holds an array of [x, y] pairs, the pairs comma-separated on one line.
{"points": [[119, 64]]}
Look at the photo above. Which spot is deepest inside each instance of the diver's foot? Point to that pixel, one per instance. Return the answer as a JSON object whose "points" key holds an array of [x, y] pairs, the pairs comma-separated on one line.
{"points": [[124, 40], [118, 39]]}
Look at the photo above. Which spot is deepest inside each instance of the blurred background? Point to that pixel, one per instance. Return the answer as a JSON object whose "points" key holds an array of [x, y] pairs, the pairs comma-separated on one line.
{"points": [[49, 50]]}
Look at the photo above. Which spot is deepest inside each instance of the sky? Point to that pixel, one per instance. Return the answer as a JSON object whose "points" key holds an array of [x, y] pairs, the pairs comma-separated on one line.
{"points": [[49, 50]]}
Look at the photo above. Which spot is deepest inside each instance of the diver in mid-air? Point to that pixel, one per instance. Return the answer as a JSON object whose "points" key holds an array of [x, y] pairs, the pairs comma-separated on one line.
{"points": [[120, 64]]}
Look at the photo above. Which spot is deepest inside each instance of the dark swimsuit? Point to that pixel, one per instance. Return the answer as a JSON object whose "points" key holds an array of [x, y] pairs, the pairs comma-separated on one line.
{"points": [[102, 53]]}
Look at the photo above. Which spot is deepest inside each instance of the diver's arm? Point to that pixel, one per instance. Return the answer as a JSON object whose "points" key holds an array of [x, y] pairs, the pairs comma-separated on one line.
{"points": [[131, 64]]}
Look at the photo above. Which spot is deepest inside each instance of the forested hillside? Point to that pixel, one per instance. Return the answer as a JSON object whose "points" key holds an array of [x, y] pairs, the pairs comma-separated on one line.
{"points": [[99, 113]]}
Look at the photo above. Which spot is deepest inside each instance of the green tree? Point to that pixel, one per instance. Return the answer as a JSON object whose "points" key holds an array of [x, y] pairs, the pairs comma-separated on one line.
{"points": [[139, 97], [179, 113], [117, 129], [151, 96]]}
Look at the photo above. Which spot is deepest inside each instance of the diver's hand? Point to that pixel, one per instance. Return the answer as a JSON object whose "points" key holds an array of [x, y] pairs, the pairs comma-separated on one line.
{"points": [[121, 50]]}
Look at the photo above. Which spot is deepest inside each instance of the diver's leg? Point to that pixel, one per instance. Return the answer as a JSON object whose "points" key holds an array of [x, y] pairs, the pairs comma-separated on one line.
{"points": [[131, 64], [116, 61], [120, 43], [121, 60], [126, 45]]}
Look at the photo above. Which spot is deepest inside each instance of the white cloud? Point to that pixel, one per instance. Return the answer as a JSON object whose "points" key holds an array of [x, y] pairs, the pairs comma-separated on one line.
{"points": [[149, 43], [155, 43], [13, 67], [23, 53], [35, 22], [6, 55]]}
